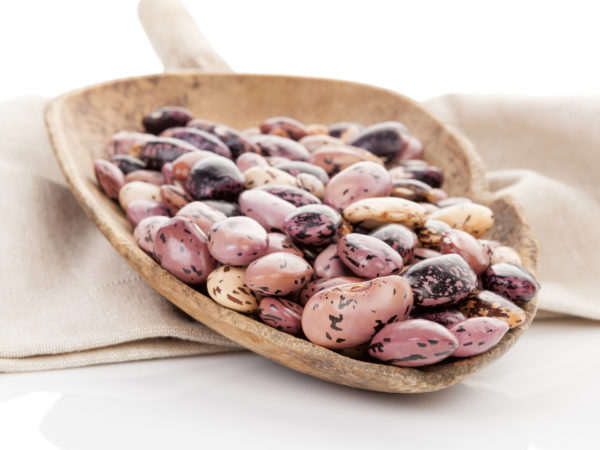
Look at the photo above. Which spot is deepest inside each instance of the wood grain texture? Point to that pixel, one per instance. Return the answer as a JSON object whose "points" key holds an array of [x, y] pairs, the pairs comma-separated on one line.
{"points": [[80, 124]]}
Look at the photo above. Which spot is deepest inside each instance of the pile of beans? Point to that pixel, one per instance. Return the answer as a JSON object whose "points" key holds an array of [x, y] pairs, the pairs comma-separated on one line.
{"points": [[341, 235]]}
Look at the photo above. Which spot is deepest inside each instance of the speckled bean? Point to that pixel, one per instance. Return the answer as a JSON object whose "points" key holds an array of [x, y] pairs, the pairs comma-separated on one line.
{"points": [[199, 139], [361, 180], [181, 249], [441, 280], [149, 176], [138, 210], [182, 166], [259, 176], [120, 143], [278, 274], [313, 143], [271, 145], [414, 190], [425, 253], [174, 198], [400, 238], [335, 158], [201, 214], [292, 194], [467, 247], [373, 212], [225, 285], [127, 163], [247, 160], [430, 234], [166, 117], [413, 343], [138, 190], [296, 167], [510, 281], [348, 315], [346, 131], [281, 314], [110, 178], [154, 153], [285, 127], [310, 184], [321, 284], [313, 225], [477, 335], [215, 178], [279, 242], [473, 218], [232, 138], [446, 316], [145, 232], [267, 209], [489, 304], [384, 140], [237, 241], [368, 256], [329, 265]]}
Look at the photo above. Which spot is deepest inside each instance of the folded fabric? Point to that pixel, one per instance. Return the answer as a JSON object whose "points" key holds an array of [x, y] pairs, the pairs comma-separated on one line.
{"points": [[68, 299]]}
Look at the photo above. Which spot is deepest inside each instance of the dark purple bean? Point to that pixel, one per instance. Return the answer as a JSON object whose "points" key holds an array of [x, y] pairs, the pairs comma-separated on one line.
{"points": [[166, 117]]}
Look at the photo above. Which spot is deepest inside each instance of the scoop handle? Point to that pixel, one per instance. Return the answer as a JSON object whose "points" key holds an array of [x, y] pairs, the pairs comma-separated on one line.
{"points": [[176, 38]]}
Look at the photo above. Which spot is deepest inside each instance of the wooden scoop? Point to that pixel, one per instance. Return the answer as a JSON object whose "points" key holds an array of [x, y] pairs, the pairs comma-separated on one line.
{"points": [[81, 122]]}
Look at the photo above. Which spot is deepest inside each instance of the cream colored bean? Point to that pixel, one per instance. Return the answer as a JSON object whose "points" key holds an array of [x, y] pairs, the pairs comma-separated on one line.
{"points": [[259, 176], [470, 217], [226, 286], [138, 190], [372, 212]]}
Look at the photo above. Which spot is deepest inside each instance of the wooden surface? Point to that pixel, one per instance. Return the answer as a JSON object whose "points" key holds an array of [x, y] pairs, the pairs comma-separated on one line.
{"points": [[80, 124]]}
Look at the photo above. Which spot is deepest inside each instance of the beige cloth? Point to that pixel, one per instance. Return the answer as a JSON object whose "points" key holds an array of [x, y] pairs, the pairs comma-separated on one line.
{"points": [[68, 299]]}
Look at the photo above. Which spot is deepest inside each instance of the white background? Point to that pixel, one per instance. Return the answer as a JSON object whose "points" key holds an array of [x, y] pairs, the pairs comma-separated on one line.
{"points": [[544, 394]]}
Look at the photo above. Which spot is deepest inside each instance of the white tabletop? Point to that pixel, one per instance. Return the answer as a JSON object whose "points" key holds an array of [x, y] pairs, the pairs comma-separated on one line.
{"points": [[543, 394]]}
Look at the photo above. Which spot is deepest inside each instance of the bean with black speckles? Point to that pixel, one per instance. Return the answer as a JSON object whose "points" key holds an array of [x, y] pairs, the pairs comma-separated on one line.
{"points": [[127, 163], [181, 248], [430, 234], [285, 127], [138, 210], [248, 160], [321, 284], [202, 214], [259, 176], [313, 225], [349, 315], [400, 238], [166, 117], [335, 158], [346, 131], [329, 265], [279, 242], [110, 178], [489, 304], [473, 218], [314, 142], [167, 173], [182, 166], [149, 176], [271, 145], [510, 281], [267, 209], [122, 142], [467, 247], [370, 213], [477, 335], [174, 198], [310, 184], [413, 343], [441, 280], [237, 241], [297, 167], [444, 316], [431, 175], [225, 285], [155, 152], [232, 138], [281, 314], [368, 256], [230, 209], [384, 140], [364, 179], [215, 178], [414, 190], [317, 129], [138, 190], [278, 274], [292, 194], [199, 139], [145, 232]]}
